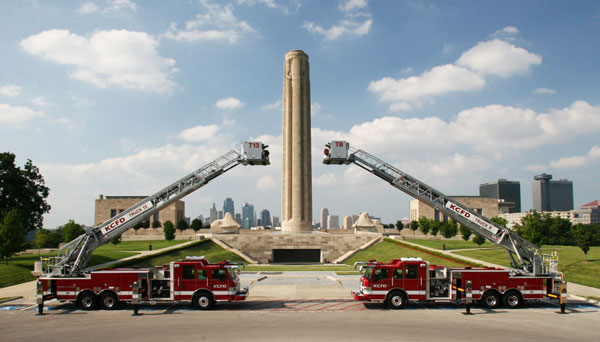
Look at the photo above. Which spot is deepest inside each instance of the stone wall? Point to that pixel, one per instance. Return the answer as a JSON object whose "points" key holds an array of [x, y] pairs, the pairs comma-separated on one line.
{"points": [[158, 234], [107, 205], [260, 246]]}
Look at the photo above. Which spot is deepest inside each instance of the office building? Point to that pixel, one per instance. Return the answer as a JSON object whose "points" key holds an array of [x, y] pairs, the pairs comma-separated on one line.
{"points": [[228, 207], [324, 216], [503, 190], [214, 214], [247, 215], [551, 195], [109, 206], [265, 218], [333, 222]]}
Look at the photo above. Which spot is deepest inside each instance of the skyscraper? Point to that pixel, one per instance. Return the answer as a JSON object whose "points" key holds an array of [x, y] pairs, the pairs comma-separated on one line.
{"points": [[333, 222], [324, 216], [247, 215], [509, 191], [228, 207], [214, 215], [549, 195], [265, 218]]}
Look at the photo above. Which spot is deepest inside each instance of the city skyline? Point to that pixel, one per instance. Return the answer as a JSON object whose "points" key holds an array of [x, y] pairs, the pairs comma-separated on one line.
{"points": [[124, 97]]}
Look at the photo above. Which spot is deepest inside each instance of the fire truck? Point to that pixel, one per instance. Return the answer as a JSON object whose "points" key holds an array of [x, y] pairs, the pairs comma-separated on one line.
{"points": [[533, 276], [65, 276]]}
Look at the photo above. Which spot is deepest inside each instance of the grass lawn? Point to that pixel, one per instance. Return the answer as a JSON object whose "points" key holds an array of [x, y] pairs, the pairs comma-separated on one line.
{"points": [[279, 268], [450, 244], [385, 251], [571, 262], [139, 245]]}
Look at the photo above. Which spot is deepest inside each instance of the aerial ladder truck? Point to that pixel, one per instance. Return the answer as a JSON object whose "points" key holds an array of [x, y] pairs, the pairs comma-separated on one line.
{"points": [[65, 277], [532, 276]]}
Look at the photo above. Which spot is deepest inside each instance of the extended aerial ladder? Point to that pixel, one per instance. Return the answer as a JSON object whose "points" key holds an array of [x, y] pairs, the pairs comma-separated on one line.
{"points": [[524, 255], [73, 257]]}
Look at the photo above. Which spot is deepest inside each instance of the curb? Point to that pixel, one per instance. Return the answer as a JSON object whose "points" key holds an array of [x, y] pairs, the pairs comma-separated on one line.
{"points": [[10, 299], [587, 300]]}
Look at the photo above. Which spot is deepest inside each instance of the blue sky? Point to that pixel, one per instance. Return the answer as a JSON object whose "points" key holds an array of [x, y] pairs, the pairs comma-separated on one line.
{"points": [[123, 97]]}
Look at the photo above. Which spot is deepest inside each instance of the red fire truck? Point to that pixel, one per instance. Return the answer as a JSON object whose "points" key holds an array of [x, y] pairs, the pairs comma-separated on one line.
{"points": [[533, 276], [193, 279], [66, 277], [412, 279]]}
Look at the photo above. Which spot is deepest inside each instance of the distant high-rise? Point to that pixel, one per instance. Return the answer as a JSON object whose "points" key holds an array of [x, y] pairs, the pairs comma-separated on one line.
{"points": [[324, 216], [247, 215], [214, 215], [265, 218], [275, 221], [221, 214], [347, 222], [228, 207], [502, 189], [333, 222], [552, 195], [238, 218]]}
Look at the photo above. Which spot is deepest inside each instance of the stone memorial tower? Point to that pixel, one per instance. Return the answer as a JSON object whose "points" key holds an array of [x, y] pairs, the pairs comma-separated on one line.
{"points": [[296, 189]]}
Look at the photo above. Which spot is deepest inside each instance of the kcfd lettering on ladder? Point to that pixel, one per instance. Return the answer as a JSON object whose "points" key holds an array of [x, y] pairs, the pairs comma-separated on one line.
{"points": [[478, 221], [130, 215]]}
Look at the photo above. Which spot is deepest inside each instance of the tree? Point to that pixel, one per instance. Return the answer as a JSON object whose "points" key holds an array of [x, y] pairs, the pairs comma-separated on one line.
{"points": [[169, 230], [24, 190], [196, 224], [116, 240], [465, 232], [11, 235], [449, 229], [43, 238], [156, 224], [499, 220], [586, 235], [72, 230], [435, 227], [532, 228], [479, 240], [182, 225], [399, 225], [424, 225], [413, 225]]}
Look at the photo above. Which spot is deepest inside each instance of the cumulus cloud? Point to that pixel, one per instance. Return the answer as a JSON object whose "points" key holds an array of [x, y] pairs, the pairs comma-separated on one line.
{"points": [[87, 8], [543, 91], [10, 90], [352, 5], [229, 103], [217, 23], [495, 57], [199, 133], [287, 8], [40, 101], [17, 115], [349, 26], [120, 6], [122, 58], [499, 58], [274, 105], [577, 161], [267, 182]]}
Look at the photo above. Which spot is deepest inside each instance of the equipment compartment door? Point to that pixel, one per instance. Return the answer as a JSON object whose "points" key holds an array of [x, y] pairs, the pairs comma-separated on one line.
{"points": [[415, 280], [185, 281], [218, 283]]}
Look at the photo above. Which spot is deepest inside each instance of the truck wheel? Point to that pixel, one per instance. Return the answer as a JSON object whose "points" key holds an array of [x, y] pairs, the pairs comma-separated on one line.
{"points": [[202, 301], [109, 301], [513, 299], [490, 300], [87, 301], [396, 300]]}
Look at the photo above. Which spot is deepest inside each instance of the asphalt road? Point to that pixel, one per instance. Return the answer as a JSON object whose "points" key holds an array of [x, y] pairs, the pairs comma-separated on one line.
{"points": [[301, 320]]}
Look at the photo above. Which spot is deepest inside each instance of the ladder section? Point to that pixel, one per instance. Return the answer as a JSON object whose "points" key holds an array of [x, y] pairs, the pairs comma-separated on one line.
{"points": [[74, 256], [528, 255]]}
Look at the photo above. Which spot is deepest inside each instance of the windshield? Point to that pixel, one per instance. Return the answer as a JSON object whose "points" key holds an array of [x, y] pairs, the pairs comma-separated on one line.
{"points": [[368, 272], [231, 272]]}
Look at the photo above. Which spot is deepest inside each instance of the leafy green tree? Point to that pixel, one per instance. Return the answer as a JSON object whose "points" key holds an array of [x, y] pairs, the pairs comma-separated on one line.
{"points": [[435, 227], [11, 235], [424, 225], [449, 229], [465, 232], [182, 225], [169, 230], [585, 236], [196, 224], [413, 225], [499, 220], [43, 238], [72, 230], [22, 189], [533, 228], [560, 232], [156, 224], [399, 225], [478, 239], [116, 240]]}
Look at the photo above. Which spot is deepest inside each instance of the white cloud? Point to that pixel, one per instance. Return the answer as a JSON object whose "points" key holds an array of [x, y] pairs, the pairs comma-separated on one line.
{"points": [[343, 28], [499, 58], [120, 58], [351, 5], [217, 23], [274, 105], [400, 107], [326, 179], [577, 161], [267, 183], [10, 90], [437, 81], [229, 103], [40, 101], [287, 7], [542, 91], [87, 8], [536, 167], [17, 115], [120, 6], [315, 108], [199, 133], [507, 31]]}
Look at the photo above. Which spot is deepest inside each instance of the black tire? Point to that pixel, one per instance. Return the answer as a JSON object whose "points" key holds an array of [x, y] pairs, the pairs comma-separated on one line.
{"points": [[109, 301], [491, 300], [203, 301], [396, 300], [512, 299], [87, 301]]}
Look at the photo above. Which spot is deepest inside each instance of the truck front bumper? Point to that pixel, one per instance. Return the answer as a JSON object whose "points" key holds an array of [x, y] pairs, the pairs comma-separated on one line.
{"points": [[241, 294], [359, 295]]}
